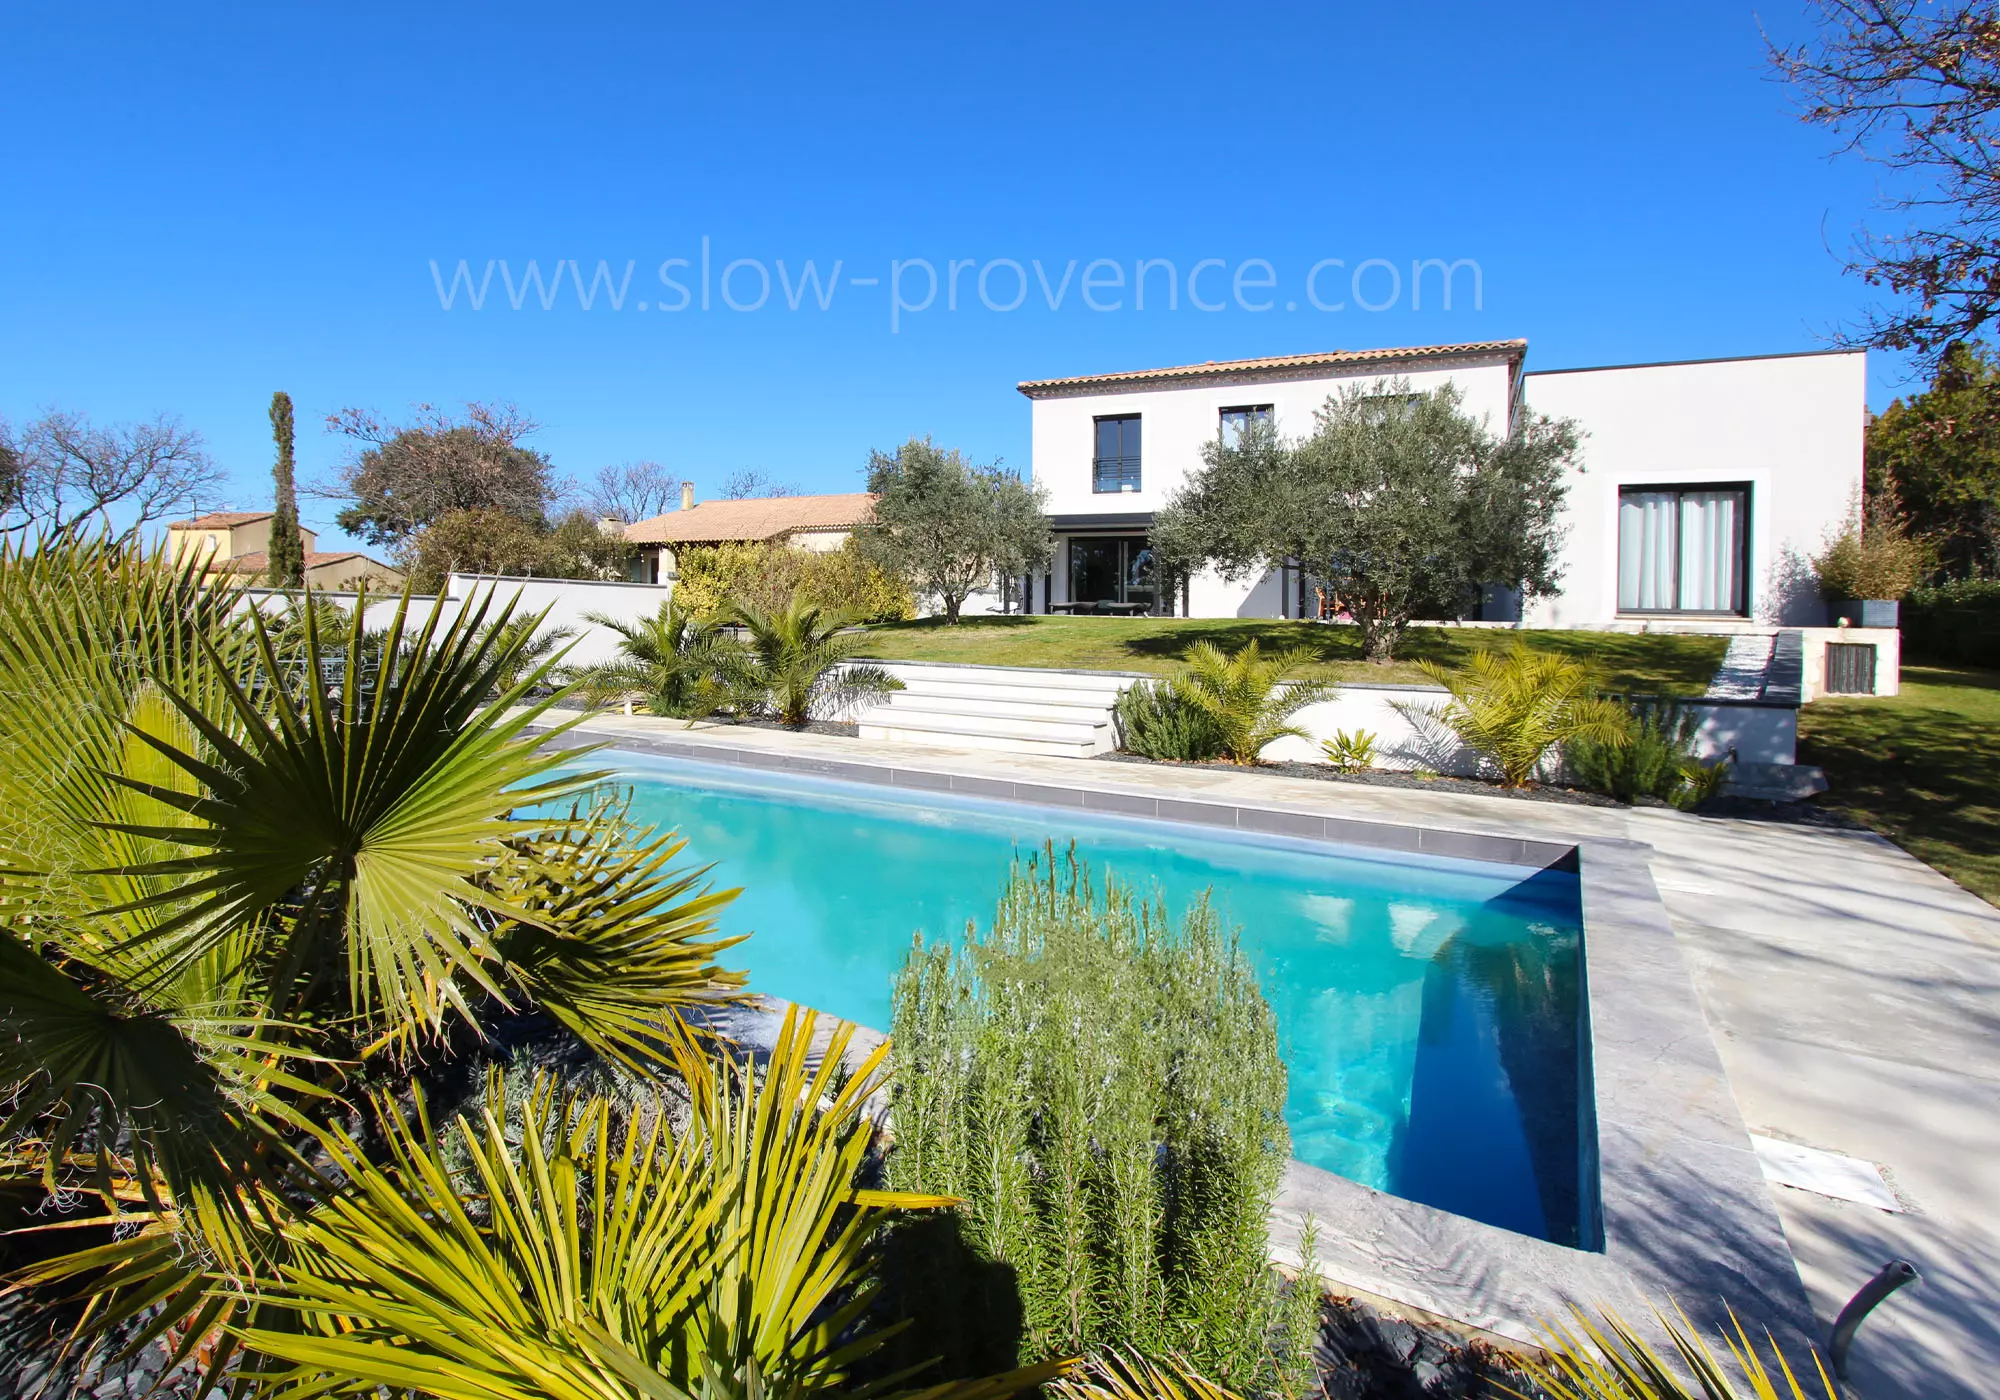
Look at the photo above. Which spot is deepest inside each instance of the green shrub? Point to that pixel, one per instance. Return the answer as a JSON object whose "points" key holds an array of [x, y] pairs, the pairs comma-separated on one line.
{"points": [[1874, 557], [1156, 721], [846, 580], [1243, 693], [769, 577], [1103, 1092], [673, 662], [1954, 624], [1513, 706], [1656, 760], [795, 661], [1350, 753]]}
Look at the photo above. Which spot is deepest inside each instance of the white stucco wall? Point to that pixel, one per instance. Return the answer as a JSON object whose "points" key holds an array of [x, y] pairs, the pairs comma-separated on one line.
{"points": [[1791, 426], [567, 602], [1176, 420]]}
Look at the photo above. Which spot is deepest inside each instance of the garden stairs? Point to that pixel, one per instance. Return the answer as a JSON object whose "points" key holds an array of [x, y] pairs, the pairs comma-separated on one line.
{"points": [[1054, 714]]}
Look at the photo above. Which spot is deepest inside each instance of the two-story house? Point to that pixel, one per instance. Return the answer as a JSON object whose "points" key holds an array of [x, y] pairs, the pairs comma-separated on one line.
{"points": [[1701, 487], [239, 542]]}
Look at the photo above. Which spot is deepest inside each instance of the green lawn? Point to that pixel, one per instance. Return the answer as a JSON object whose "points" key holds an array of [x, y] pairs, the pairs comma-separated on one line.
{"points": [[1923, 768], [1657, 664]]}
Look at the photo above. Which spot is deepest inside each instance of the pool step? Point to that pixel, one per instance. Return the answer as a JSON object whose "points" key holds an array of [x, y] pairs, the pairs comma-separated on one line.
{"points": [[1036, 712]]}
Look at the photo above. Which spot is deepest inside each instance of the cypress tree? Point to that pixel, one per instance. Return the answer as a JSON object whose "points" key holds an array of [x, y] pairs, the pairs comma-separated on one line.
{"points": [[288, 546]]}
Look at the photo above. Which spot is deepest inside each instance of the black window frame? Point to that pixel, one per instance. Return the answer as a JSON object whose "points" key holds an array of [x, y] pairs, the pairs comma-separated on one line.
{"points": [[1268, 410], [1679, 489], [1129, 545], [1126, 466]]}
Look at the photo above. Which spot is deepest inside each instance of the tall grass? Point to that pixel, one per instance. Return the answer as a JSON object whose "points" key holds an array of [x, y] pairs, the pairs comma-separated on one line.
{"points": [[1102, 1088]]}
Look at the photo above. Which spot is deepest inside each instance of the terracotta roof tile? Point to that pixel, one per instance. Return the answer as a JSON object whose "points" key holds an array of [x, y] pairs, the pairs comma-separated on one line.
{"points": [[221, 520], [1278, 364], [769, 518]]}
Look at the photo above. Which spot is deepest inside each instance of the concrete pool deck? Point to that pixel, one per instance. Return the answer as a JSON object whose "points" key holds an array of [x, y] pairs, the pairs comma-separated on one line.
{"points": [[1851, 994]]}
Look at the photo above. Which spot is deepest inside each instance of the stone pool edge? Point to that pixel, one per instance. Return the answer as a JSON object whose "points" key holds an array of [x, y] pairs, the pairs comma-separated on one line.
{"points": [[1687, 1218]]}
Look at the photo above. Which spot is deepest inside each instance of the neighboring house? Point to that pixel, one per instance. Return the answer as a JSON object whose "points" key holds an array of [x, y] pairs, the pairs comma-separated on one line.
{"points": [[819, 523], [1704, 483], [239, 542]]}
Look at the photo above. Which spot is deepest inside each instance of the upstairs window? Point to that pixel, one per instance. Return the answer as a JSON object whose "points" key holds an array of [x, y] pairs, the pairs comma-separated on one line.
{"points": [[1684, 549], [1236, 422], [1116, 465]]}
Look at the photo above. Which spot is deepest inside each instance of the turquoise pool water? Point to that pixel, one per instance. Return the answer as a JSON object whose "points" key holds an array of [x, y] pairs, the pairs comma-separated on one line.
{"points": [[1428, 1009]]}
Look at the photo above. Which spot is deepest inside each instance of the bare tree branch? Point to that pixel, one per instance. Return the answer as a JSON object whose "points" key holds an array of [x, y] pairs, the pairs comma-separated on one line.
{"points": [[65, 472], [1914, 86], [748, 483], [634, 491]]}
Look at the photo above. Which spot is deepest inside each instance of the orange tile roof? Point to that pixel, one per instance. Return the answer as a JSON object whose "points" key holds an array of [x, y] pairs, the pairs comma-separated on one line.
{"points": [[1279, 364], [220, 520], [258, 562], [767, 518]]}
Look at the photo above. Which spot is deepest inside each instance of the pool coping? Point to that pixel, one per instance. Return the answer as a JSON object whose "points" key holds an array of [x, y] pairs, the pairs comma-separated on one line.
{"points": [[1686, 1216]]}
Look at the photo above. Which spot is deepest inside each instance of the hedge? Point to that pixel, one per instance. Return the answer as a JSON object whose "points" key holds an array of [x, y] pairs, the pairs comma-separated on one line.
{"points": [[1954, 624]]}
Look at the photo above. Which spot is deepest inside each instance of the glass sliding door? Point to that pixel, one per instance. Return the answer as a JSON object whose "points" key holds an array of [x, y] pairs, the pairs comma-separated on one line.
{"points": [[1684, 549], [1112, 569]]}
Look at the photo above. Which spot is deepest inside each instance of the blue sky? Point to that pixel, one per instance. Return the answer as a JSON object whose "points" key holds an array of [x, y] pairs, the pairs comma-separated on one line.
{"points": [[211, 202]]}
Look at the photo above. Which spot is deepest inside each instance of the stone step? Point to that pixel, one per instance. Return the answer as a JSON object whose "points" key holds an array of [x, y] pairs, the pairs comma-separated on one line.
{"points": [[1043, 748], [1079, 738], [999, 705], [928, 677]]}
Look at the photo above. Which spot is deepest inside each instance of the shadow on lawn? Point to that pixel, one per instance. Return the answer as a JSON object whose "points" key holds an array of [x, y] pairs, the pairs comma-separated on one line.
{"points": [[1922, 769]]}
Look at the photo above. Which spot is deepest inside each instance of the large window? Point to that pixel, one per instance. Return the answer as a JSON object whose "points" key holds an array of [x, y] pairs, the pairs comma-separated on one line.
{"points": [[1236, 422], [1111, 569], [1684, 549], [1116, 467]]}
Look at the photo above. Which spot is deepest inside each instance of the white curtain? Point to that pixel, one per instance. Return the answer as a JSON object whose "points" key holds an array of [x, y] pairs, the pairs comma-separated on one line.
{"points": [[1646, 551], [1711, 551]]}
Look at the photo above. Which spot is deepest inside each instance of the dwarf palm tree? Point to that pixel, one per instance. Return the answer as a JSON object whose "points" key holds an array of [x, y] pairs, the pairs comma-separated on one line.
{"points": [[530, 647], [1513, 705], [226, 903], [681, 664], [1240, 695], [798, 660], [615, 1254]]}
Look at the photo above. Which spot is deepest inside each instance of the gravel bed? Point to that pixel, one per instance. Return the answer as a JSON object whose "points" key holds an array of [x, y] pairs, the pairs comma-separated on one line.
{"points": [[1366, 1353]]}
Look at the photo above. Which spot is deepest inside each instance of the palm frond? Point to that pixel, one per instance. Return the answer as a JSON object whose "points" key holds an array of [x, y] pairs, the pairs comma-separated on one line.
{"points": [[1515, 705], [610, 1258], [797, 660], [1586, 1361], [382, 807], [1129, 1375], [1245, 696], [608, 937]]}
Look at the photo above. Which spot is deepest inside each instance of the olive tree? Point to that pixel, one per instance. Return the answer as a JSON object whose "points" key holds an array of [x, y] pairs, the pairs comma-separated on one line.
{"points": [[950, 526], [1401, 503]]}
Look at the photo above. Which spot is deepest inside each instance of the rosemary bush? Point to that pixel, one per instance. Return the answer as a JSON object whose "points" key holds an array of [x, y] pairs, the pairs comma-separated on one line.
{"points": [[1156, 721], [1103, 1091]]}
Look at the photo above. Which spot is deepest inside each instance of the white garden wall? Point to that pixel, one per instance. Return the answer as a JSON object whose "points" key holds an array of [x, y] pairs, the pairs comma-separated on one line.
{"points": [[567, 602], [1406, 739]]}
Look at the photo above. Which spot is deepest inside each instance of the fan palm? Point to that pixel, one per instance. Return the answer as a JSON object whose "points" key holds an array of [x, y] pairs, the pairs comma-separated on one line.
{"points": [[798, 660], [683, 665], [615, 1255], [225, 900], [1613, 1362], [531, 648], [1240, 694], [1513, 705]]}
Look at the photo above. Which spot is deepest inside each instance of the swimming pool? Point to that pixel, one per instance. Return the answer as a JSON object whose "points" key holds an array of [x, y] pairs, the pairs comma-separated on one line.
{"points": [[1428, 1009]]}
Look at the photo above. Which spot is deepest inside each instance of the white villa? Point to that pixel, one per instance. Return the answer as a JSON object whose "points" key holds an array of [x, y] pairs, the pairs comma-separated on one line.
{"points": [[1702, 483]]}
